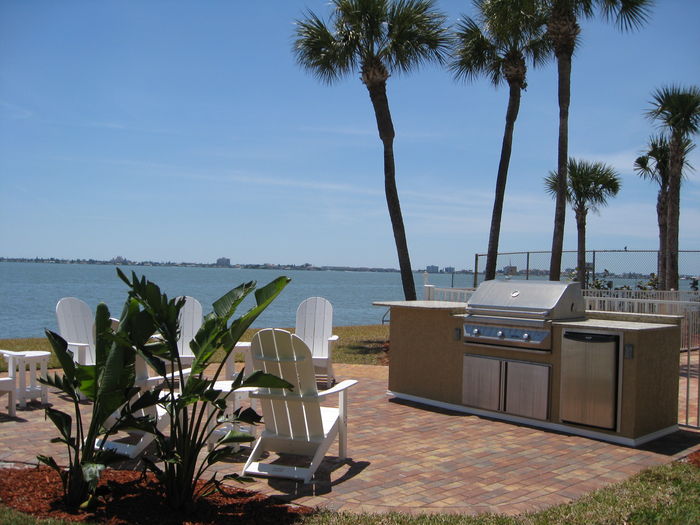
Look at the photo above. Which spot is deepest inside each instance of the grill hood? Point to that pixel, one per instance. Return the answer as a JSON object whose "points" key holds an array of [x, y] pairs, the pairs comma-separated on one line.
{"points": [[549, 300]]}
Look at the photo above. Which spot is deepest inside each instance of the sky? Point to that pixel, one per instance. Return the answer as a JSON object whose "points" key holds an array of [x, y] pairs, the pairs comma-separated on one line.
{"points": [[185, 131]]}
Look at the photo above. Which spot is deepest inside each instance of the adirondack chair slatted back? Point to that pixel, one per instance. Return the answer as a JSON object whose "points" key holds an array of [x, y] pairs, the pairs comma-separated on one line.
{"points": [[296, 413], [314, 324], [190, 322], [76, 325]]}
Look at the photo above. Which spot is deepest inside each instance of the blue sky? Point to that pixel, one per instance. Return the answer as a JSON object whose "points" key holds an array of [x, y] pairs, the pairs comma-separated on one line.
{"points": [[185, 131]]}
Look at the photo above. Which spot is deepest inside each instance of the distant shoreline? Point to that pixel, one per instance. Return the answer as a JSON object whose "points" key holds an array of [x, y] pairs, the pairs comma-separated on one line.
{"points": [[267, 266]]}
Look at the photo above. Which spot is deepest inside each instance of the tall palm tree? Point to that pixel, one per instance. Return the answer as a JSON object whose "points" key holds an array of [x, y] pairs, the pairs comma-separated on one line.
{"points": [[376, 37], [678, 111], [653, 165], [562, 28], [505, 35], [589, 185]]}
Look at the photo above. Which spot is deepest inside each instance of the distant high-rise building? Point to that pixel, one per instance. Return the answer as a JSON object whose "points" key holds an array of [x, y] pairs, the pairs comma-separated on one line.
{"points": [[449, 269], [510, 270], [432, 269], [223, 261]]}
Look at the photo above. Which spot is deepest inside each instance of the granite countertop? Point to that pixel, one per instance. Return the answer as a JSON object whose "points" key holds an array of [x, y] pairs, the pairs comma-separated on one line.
{"points": [[426, 305], [611, 324]]}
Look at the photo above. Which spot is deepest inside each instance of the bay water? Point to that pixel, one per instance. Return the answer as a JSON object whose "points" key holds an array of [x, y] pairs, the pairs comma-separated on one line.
{"points": [[29, 291]]}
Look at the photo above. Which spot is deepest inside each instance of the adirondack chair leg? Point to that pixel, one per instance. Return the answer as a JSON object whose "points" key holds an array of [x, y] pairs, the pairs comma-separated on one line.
{"points": [[254, 455], [11, 403], [342, 425]]}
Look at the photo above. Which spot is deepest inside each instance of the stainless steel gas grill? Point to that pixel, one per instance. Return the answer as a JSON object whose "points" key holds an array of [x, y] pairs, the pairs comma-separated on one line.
{"points": [[520, 313], [529, 352]]}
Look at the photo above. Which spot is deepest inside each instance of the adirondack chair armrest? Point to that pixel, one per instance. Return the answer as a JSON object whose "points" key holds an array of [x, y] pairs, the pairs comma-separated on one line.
{"points": [[82, 348], [333, 338], [339, 387]]}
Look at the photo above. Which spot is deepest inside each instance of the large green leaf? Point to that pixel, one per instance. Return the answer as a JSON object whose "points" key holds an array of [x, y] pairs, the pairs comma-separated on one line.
{"points": [[60, 348], [226, 305], [86, 377], [221, 454], [62, 421], [264, 380], [59, 382], [264, 296], [234, 436]]}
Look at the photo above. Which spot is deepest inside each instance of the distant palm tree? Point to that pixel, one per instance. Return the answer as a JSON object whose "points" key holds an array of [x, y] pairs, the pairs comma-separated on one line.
{"points": [[653, 165], [678, 110], [563, 30], [376, 38], [589, 185], [505, 35]]}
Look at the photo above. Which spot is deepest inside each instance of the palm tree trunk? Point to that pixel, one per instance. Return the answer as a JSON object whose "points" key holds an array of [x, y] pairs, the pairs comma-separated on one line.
{"points": [[581, 248], [674, 196], [377, 93], [564, 90], [662, 216], [506, 147]]}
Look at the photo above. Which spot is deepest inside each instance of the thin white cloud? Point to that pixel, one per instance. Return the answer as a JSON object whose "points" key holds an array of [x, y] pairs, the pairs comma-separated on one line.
{"points": [[365, 132], [622, 161], [13, 111]]}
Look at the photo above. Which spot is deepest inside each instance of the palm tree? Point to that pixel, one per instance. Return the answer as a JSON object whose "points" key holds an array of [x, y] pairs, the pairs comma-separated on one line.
{"points": [[563, 30], [589, 184], [507, 33], [678, 110], [653, 165], [376, 37]]}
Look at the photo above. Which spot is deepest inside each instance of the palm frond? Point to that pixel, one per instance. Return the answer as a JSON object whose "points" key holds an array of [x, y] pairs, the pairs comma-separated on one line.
{"points": [[326, 55], [475, 54], [627, 14], [415, 34], [676, 108], [591, 184], [504, 32]]}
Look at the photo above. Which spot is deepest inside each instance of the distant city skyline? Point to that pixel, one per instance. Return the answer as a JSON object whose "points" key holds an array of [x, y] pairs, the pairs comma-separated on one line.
{"points": [[195, 136]]}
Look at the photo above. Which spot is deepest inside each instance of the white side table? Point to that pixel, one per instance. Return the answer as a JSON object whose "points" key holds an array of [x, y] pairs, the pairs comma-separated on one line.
{"points": [[21, 364]]}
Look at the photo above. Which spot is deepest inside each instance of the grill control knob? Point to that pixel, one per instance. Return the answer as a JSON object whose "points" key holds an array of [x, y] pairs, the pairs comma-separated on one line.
{"points": [[475, 331], [526, 336], [500, 333]]}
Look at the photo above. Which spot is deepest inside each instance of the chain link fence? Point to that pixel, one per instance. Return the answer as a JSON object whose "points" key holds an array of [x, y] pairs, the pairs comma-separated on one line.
{"points": [[606, 269]]}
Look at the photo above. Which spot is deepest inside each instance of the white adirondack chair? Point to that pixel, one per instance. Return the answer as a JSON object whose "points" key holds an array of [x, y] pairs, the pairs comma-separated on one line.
{"points": [[190, 322], [8, 385], [315, 326], [295, 421], [76, 326]]}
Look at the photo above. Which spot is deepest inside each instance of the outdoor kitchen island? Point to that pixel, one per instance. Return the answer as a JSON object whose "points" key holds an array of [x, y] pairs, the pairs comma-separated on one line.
{"points": [[603, 375]]}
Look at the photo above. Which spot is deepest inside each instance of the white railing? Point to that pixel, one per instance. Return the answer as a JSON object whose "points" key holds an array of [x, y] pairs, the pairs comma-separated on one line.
{"points": [[690, 310], [648, 295], [455, 295]]}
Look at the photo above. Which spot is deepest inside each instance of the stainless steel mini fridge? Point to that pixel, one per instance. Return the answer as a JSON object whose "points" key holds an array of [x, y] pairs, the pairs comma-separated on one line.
{"points": [[589, 372]]}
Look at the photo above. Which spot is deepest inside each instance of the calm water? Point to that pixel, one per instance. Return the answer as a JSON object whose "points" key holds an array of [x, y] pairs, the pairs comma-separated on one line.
{"points": [[29, 291]]}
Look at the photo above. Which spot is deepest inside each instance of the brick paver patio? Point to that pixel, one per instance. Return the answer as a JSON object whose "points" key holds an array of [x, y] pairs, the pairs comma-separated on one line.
{"points": [[410, 458]]}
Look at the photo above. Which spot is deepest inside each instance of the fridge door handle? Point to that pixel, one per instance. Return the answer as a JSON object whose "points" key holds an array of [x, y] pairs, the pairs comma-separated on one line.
{"points": [[590, 338]]}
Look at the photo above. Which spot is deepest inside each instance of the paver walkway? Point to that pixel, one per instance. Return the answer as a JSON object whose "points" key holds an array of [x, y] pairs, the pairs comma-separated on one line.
{"points": [[411, 458]]}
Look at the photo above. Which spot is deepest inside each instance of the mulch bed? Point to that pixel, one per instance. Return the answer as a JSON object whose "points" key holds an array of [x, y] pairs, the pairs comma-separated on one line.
{"points": [[133, 499], [694, 458]]}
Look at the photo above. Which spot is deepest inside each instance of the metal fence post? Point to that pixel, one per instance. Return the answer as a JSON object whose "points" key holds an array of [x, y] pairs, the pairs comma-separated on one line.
{"points": [[527, 266], [476, 268]]}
